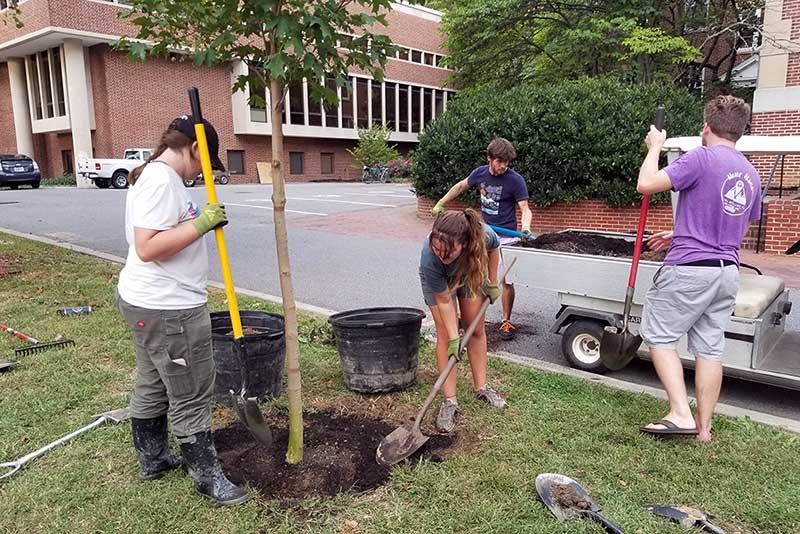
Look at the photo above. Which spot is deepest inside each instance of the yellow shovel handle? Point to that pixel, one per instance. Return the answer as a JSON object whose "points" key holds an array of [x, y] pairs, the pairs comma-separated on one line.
{"points": [[208, 178]]}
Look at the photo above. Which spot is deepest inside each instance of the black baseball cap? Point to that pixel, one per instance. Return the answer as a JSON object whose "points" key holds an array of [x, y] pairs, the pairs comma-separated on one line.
{"points": [[185, 125]]}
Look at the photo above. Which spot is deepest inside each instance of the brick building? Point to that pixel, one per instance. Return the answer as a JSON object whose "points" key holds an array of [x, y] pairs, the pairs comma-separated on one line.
{"points": [[66, 94]]}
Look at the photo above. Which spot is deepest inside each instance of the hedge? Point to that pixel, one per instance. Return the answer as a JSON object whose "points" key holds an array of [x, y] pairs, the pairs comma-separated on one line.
{"points": [[575, 140]]}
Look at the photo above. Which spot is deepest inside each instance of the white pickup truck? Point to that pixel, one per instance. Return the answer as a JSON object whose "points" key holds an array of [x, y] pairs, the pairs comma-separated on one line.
{"points": [[113, 172]]}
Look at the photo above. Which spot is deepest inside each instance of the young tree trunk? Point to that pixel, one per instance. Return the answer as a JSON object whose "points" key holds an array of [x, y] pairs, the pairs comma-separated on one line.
{"points": [[294, 453]]}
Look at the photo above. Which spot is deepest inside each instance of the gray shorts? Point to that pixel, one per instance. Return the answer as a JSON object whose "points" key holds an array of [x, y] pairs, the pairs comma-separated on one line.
{"points": [[429, 295], [501, 267], [694, 301]]}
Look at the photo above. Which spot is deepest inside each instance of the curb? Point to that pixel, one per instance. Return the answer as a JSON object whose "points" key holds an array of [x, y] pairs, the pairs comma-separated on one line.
{"points": [[722, 409]]}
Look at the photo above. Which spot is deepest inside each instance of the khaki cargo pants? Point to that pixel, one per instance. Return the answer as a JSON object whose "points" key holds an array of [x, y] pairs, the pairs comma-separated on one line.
{"points": [[165, 340]]}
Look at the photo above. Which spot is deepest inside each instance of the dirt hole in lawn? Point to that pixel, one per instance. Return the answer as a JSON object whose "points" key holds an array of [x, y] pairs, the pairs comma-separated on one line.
{"points": [[593, 244], [338, 456]]}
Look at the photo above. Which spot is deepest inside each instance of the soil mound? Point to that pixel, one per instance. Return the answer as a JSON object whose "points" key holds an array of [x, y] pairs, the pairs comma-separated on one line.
{"points": [[338, 456], [592, 244]]}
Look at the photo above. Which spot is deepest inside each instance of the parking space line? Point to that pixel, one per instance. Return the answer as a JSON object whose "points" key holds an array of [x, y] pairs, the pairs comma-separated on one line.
{"points": [[392, 195], [331, 200], [269, 208]]}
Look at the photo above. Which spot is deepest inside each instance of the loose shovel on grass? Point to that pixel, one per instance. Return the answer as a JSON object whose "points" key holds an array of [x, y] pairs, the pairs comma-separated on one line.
{"points": [[246, 407], [404, 442], [568, 500], [688, 518]]}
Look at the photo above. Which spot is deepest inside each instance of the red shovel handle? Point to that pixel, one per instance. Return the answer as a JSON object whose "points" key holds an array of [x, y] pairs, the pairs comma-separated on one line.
{"points": [[20, 335], [637, 249]]}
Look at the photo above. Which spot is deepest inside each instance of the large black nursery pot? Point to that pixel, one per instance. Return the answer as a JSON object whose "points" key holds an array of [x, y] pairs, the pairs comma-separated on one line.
{"points": [[264, 355], [378, 347]]}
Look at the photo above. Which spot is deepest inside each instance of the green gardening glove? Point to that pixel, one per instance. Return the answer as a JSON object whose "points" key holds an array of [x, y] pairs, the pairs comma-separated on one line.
{"points": [[526, 234], [438, 208], [452, 348], [211, 216], [491, 291]]}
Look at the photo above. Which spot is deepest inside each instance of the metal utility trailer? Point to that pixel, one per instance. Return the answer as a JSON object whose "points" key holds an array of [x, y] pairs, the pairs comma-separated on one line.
{"points": [[591, 292]]}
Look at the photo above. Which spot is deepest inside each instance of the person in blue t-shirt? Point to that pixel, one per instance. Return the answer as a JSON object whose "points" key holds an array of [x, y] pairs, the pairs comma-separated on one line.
{"points": [[502, 191]]}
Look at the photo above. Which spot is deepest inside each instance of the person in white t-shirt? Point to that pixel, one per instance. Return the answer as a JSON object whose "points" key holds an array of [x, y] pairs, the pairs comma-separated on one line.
{"points": [[162, 295]]}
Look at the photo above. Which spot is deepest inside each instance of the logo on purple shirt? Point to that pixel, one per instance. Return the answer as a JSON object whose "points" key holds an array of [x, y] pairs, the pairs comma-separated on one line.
{"points": [[737, 193]]}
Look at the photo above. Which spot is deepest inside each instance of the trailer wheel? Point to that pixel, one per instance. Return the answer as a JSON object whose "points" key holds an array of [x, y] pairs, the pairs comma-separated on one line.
{"points": [[580, 345]]}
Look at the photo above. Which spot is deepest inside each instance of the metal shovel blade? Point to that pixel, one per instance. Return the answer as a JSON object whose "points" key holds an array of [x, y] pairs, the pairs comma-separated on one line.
{"points": [[399, 445], [544, 487], [685, 516], [618, 349], [250, 415], [5, 365], [567, 499]]}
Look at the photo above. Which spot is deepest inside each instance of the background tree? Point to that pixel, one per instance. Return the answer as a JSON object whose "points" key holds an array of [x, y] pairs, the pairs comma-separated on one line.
{"points": [[281, 41], [507, 42], [12, 15]]}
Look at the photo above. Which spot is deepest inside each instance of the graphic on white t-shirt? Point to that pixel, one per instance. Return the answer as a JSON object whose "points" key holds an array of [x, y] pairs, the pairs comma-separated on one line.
{"points": [[738, 192]]}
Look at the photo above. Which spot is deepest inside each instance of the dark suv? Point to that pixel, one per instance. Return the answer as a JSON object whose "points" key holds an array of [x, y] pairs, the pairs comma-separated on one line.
{"points": [[18, 169]]}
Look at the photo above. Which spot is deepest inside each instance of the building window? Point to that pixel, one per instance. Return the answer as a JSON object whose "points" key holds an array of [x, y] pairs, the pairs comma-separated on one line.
{"points": [[391, 115], [377, 103], [439, 103], [258, 98], [362, 109], [236, 161], [416, 56], [404, 54], [297, 108], [416, 102], [331, 112], [427, 106], [46, 84], [428, 59], [402, 97], [326, 162], [347, 104], [66, 161], [296, 162]]}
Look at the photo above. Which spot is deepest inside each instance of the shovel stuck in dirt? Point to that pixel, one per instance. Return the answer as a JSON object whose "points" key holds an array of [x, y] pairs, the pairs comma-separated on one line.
{"points": [[618, 347], [404, 442], [246, 407], [567, 499]]}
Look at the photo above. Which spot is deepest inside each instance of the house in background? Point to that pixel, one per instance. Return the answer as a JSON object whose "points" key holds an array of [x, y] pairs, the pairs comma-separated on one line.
{"points": [[66, 94]]}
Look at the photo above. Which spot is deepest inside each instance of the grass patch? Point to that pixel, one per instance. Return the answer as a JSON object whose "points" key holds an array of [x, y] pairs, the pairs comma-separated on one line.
{"points": [[748, 477]]}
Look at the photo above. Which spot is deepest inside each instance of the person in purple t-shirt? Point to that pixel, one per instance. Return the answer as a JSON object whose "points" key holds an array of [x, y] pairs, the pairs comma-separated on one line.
{"points": [[694, 292], [502, 191]]}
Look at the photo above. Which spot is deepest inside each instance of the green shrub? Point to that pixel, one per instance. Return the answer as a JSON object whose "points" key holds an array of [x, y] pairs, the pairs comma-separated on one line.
{"points": [[67, 179], [373, 147], [575, 140]]}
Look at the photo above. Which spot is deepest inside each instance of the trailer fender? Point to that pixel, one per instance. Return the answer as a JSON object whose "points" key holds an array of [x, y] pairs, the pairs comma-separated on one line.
{"points": [[568, 314]]}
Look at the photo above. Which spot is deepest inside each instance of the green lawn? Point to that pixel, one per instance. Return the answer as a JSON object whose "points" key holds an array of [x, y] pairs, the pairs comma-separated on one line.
{"points": [[749, 477]]}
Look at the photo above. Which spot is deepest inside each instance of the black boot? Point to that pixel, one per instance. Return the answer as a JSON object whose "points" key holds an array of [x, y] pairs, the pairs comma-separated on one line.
{"points": [[152, 447], [209, 480]]}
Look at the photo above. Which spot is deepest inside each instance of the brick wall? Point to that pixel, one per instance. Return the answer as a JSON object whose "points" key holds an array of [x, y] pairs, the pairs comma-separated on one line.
{"points": [[782, 225], [586, 215], [159, 95], [778, 123], [8, 137], [780, 230]]}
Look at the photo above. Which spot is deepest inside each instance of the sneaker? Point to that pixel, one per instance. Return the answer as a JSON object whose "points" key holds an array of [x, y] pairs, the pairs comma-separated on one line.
{"points": [[490, 397], [446, 420], [507, 331]]}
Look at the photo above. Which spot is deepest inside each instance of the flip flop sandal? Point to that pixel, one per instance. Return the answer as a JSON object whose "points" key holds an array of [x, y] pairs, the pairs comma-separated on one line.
{"points": [[671, 429]]}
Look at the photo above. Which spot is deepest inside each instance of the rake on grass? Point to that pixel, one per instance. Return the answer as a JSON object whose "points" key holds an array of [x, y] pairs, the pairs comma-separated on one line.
{"points": [[35, 346]]}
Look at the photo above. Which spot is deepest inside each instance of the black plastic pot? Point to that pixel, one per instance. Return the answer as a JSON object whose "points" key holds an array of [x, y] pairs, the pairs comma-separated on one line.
{"points": [[378, 347], [265, 353]]}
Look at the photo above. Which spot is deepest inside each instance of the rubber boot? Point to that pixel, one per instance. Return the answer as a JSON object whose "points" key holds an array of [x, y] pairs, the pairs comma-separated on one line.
{"points": [[203, 466], [152, 447]]}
